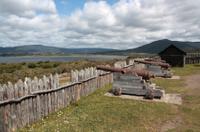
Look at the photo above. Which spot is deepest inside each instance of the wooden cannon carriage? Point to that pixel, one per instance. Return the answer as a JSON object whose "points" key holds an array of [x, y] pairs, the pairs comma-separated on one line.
{"points": [[133, 82]]}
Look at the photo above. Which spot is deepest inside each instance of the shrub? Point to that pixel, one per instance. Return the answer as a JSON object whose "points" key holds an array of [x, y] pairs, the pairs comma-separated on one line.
{"points": [[32, 65], [56, 65], [45, 66], [23, 63]]}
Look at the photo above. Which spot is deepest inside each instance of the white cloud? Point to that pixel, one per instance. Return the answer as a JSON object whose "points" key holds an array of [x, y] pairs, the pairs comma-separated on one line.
{"points": [[125, 24], [27, 7]]}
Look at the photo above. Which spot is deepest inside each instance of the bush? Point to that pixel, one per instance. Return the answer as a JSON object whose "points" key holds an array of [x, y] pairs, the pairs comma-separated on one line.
{"points": [[9, 68], [56, 65], [45, 66], [23, 63], [32, 65]]}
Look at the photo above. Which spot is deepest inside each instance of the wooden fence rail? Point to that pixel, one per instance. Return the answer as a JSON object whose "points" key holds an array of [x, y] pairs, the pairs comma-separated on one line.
{"points": [[26, 102], [192, 60]]}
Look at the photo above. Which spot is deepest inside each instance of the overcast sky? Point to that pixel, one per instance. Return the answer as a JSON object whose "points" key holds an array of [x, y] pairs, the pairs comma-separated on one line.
{"points": [[107, 24]]}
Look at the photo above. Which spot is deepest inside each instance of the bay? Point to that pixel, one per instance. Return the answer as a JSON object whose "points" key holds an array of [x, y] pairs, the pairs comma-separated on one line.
{"points": [[19, 59]]}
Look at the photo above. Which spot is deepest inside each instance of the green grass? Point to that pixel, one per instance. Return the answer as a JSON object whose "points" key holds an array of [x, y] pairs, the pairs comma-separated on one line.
{"points": [[170, 86], [98, 113], [190, 110], [177, 86], [15, 71], [187, 70]]}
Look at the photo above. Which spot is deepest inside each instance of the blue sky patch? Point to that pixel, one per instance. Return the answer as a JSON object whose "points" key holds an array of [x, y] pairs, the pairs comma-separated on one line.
{"points": [[66, 7]]}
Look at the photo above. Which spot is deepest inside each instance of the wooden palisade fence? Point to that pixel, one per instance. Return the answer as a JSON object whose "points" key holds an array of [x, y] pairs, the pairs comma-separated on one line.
{"points": [[192, 58], [26, 102]]}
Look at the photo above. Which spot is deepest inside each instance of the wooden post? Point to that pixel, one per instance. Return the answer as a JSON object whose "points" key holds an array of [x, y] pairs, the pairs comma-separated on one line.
{"points": [[2, 116], [13, 107]]}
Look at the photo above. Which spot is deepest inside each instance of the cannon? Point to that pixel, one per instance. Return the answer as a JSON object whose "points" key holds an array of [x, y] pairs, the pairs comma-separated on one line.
{"points": [[132, 82], [160, 69], [163, 65], [146, 75]]}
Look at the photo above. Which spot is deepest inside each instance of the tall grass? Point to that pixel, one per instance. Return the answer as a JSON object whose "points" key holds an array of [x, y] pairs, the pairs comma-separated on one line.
{"points": [[15, 71]]}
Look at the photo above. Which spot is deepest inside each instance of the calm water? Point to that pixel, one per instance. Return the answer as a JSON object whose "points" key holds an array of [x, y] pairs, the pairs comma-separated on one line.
{"points": [[17, 59]]}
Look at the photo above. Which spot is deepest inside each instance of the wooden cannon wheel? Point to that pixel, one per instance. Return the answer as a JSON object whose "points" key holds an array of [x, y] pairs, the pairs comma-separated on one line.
{"points": [[117, 91]]}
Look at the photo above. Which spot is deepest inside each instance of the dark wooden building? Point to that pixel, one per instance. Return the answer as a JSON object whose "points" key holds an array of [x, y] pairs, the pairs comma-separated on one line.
{"points": [[174, 56]]}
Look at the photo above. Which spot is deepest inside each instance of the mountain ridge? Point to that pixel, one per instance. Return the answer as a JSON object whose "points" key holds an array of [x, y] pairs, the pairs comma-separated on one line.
{"points": [[151, 48], [159, 45], [41, 49]]}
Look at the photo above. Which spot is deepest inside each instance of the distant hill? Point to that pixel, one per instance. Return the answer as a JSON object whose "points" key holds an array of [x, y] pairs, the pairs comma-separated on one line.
{"points": [[43, 50], [158, 46], [151, 48]]}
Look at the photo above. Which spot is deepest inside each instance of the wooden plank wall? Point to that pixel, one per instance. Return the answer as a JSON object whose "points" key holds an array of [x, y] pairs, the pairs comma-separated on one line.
{"points": [[32, 99], [192, 58], [124, 63], [120, 64], [130, 64]]}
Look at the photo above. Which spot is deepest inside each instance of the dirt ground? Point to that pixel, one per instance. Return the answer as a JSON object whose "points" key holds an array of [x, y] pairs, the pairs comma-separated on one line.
{"points": [[192, 83], [168, 98], [171, 124]]}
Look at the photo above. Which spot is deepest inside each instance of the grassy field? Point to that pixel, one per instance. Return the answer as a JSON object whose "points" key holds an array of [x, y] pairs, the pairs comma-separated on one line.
{"points": [[98, 113], [189, 112], [14, 72]]}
